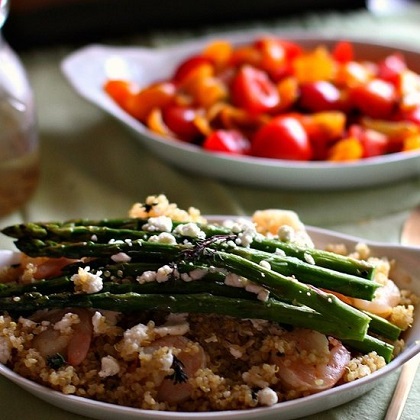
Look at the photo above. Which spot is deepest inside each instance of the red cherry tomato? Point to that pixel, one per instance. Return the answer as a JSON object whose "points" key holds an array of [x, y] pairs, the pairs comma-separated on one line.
{"points": [[320, 96], [391, 68], [282, 138], [375, 99], [180, 120], [411, 115], [227, 141], [343, 52], [189, 65], [254, 91], [373, 142]]}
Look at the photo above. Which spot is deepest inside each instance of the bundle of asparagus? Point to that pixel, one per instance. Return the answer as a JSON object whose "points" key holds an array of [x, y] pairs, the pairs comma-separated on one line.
{"points": [[297, 283]]}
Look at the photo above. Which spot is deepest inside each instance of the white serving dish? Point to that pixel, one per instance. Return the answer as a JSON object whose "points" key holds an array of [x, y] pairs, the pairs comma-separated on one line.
{"points": [[88, 68], [409, 277]]}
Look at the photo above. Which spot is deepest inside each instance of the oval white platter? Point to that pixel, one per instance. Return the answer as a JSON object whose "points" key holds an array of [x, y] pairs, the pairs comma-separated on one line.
{"points": [[408, 277], [89, 67]]}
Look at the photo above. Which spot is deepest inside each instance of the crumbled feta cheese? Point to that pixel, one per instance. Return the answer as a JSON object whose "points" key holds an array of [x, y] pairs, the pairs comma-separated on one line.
{"points": [[265, 264], [121, 257], [102, 323], [163, 238], [286, 233], [26, 323], [163, 273], [190, 230], [146, 277], [133, 339], [234, 280], [64, 325], [158, 224], [109, 367], [87, 282], [261, 292], [196, 274], [309, 258], [267, 397], [167, 360], [176, 324]]}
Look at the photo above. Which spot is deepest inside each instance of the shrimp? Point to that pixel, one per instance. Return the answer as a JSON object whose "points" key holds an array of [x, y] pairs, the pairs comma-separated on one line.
{"points": [[42, 267], [311, 362], [74, 344], [176, 388], [385, 299]]}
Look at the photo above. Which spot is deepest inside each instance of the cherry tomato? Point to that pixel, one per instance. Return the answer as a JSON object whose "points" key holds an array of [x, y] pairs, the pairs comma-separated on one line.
{"points": [[373, 142], [253, 90], [411, 115], [282, 138], [276, 57], [323, 129], [180, 120], [343, 52], [227, 141], [376, 99], [320, 96], [189, 65], [392, 67]]}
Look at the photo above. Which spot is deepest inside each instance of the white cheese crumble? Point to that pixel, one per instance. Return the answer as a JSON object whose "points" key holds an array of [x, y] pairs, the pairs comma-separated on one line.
{"points": [[133, 339], [146, 277], [261, 292], [87, 282], [121, 257], [109, 367], [163, 238], [64, 325], [176, 324], [190, 230], [234, 280], [158, 224], [104, 321], [309, 258], [196, 274], [267, 397], [163, 273], [167, 360], [265, 264]]}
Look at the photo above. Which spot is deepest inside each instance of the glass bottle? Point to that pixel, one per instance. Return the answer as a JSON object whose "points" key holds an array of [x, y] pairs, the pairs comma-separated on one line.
{"points": [[19, 147]]}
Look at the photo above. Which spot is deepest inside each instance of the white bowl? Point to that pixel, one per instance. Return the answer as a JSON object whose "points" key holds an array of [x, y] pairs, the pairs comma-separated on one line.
{"points": [[408, 260], [88, 68]]}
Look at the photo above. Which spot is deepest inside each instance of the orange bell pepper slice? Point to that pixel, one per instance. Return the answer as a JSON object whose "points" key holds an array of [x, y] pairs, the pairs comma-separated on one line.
{"points": [[156, 96], [346, 149], [315, 65], [121, 91]]}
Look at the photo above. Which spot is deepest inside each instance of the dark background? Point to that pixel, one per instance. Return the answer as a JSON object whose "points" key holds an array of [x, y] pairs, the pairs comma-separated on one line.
{"points": [[35, 23]]}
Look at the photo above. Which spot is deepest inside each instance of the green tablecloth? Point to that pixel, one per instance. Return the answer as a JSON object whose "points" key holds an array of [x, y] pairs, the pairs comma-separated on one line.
{"points": [[91, 167]]}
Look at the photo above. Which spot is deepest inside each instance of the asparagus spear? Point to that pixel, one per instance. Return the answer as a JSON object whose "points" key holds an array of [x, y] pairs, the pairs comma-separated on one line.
{"points": [[347, 284], [272, 310], [106, 229], [280, 285]]}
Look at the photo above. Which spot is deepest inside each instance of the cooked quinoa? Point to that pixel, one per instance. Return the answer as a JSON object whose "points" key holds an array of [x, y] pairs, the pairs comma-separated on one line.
{"points": [[188, 362], [118, 371]]}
